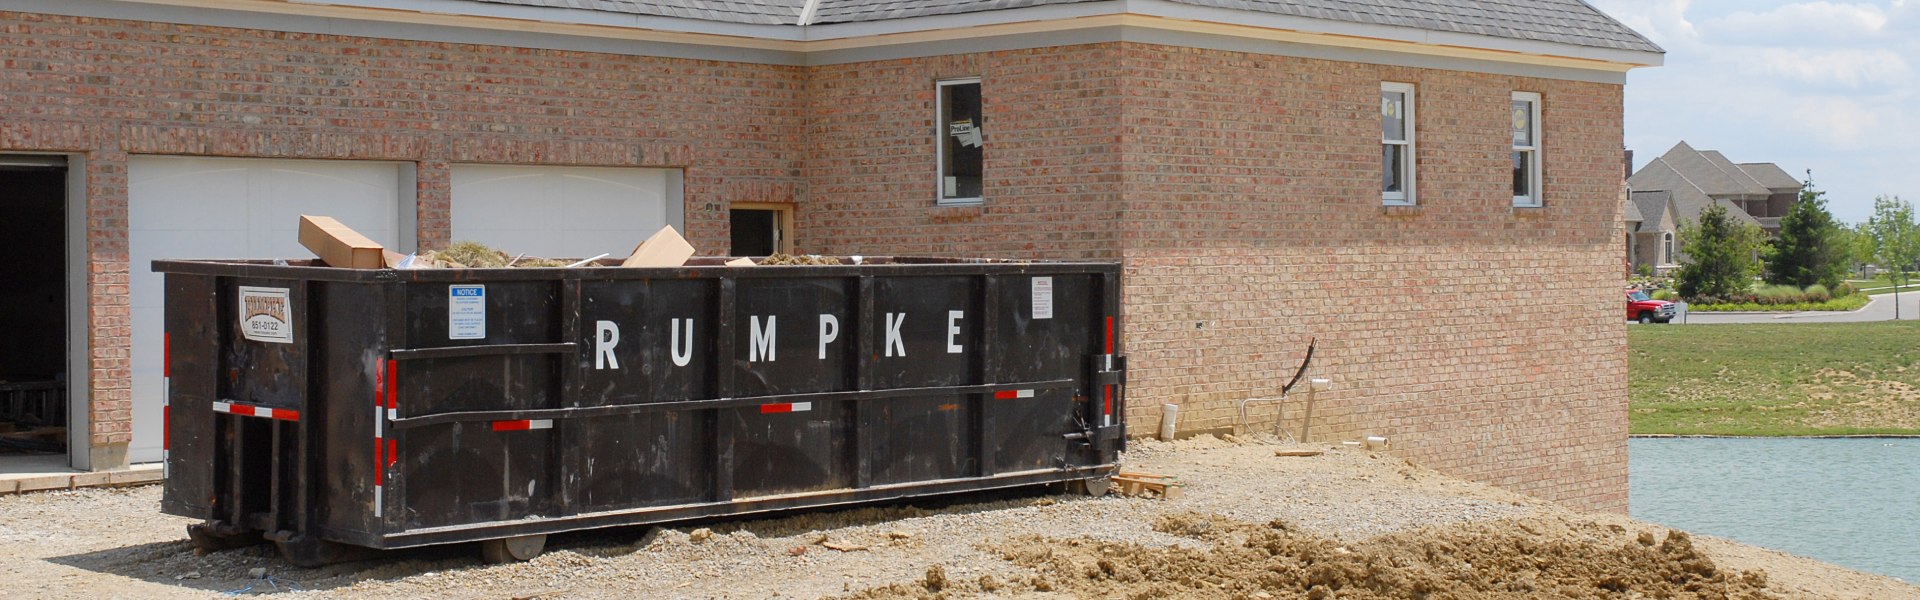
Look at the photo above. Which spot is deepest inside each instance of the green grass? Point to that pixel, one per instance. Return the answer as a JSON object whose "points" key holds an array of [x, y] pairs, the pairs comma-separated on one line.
{"points": [[1880, 284], [1774, 379], [1854, 302]]}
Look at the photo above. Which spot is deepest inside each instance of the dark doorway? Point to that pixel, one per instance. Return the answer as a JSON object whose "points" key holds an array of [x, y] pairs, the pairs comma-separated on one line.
{"points": [[759, 231], [33, 305]]}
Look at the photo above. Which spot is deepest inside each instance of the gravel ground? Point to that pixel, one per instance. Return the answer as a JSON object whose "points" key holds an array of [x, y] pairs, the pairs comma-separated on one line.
{"points": [[113, 543]]}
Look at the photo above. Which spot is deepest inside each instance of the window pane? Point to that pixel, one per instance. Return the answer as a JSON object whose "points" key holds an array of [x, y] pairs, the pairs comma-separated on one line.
{"points": [[1522, 123], [1392, 159], [962, 138], [1393, 116], [1522, 174]]}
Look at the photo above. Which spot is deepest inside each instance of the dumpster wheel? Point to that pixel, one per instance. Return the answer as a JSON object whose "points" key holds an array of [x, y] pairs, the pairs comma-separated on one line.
{"points": [[514, 549], [1091, 486]]}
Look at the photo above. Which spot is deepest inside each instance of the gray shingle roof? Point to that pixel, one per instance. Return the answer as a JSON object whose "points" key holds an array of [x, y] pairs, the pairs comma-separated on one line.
{"points": [[1771, 175], [1734, 172], [1699, 170], [1571, 22], [1633, 212], [1652, 207], [1688, 199]]}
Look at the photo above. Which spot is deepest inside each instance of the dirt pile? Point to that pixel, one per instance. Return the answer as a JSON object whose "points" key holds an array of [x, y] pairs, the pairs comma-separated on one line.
{"points": [[1542, 557]]}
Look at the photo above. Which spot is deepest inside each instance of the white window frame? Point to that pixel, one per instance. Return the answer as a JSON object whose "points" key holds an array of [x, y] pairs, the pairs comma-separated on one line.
{"points": [[1534, 198], [940, 143], [1408, 186], [1666, 247]]}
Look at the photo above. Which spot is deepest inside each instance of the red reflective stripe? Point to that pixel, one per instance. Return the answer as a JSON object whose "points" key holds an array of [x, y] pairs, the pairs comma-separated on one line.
{"points": [[166, 427], [1109, 335], [379, 384], [393, 451], [1006, 395], [284, 414], [1109, 393], [379, 460], [166, 355], [766, 409], [393, 384], [520, 425]]}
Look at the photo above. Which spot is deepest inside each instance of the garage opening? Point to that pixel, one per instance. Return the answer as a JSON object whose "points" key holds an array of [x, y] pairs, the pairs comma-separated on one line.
{"points": [[33, 308], [760, 229]]}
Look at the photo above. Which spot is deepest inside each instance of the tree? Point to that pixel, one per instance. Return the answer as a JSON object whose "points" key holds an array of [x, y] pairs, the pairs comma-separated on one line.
{"points": [[1720, 262], [1859, 243], [1809, 249], [1896, 241]]}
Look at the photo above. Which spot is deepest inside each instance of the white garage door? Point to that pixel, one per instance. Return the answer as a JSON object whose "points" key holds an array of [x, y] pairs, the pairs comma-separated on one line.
{"points": [[563, 212], [183, 207]]}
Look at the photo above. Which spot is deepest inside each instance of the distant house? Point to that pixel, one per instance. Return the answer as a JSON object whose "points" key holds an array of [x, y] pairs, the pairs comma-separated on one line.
{"points": [[1674, 188]]}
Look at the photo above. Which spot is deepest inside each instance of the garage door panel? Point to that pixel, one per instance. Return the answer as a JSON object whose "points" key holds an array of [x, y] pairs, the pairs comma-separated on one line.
{"points": [[192, 207], [561, 211]]}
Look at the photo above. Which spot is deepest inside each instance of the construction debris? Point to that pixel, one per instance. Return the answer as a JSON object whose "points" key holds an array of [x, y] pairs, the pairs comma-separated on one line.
{"points": [[1130, 483], [664, 249], [783, 258], [475, 255], [338, 245], [1298, 452]]}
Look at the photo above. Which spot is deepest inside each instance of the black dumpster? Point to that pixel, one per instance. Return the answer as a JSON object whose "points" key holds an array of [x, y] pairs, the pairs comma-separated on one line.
{"points": [[329, 410]]}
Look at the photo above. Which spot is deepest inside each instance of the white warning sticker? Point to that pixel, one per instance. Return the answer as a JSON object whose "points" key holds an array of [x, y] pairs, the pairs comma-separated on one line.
{"points": [[1043, 297], [466, 312], [266, 314]]}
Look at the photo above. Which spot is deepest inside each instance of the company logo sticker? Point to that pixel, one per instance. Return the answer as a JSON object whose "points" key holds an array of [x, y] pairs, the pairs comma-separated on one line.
{"points": [[266, 314]]}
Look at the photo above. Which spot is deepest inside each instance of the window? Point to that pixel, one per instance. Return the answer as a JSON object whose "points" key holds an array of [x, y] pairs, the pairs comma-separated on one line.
{"points": [[1526, 149], [1396, 143], [961, 139], [1666, 248]]}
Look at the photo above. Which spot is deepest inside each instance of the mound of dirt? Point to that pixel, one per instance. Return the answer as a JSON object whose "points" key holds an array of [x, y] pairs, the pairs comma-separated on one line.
{"points": [[1541, 557]]}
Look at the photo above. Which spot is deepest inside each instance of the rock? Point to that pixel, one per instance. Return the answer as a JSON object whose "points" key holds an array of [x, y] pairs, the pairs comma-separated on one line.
{"points": [[899, 535], [796, 551], [188, 575], [257, 573], [843, 546], [700, 535]]}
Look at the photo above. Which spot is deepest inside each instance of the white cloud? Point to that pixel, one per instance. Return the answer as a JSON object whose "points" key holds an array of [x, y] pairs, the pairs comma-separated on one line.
{"points": [[1799, 23], [1834, 122], [1852, 68]]}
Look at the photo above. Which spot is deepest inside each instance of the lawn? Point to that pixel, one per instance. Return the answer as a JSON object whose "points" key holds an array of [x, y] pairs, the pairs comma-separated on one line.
{"points": [[1880, 284], [1775, 379]]}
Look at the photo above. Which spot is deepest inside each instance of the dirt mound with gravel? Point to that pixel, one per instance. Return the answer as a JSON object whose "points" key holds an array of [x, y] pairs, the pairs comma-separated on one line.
{"points": [[1514, 558]]}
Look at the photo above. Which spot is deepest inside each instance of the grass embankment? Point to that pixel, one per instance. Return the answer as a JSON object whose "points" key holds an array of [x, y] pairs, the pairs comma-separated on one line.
{"points": [[1881, 284], [1775, 379]]}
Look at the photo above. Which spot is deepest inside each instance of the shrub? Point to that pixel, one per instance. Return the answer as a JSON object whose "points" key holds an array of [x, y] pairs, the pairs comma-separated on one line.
{"points": [[1644, 270], [1668, 295], [1845, 289], [1818, 293], [1780, 294]]}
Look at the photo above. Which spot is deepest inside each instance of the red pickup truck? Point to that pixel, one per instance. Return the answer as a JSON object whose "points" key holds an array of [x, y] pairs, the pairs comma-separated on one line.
{"points": [[1645, 309]]}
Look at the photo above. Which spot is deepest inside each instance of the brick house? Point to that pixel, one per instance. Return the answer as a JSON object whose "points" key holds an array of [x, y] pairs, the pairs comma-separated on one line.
{"points": [[1430, 189], [1672, 190]]}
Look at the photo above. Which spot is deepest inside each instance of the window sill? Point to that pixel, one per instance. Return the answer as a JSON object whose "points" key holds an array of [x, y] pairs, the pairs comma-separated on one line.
{"points": [[1400, 210]]}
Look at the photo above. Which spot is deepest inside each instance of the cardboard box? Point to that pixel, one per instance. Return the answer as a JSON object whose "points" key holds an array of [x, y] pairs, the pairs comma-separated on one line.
{"points": [[740, 262], [338, 245], [665, 249]]}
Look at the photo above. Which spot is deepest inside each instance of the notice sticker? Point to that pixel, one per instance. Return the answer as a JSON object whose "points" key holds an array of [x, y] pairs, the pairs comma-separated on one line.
{"points": [[266, 315], [466, 312], [1043, 297]]}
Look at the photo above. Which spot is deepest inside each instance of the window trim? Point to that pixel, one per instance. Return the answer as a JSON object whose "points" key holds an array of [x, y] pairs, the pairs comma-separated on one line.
{"points": [[940, 143], [1667, 249], [1536, 186], [1409, 194]]}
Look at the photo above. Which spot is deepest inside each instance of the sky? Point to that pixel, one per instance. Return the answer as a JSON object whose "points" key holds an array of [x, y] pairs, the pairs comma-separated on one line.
{"points": [[1828, 86]]}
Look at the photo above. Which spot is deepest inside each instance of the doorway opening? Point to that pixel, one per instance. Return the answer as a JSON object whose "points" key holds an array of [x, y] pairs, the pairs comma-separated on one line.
{"points": [[33, 364], [761, 229]]}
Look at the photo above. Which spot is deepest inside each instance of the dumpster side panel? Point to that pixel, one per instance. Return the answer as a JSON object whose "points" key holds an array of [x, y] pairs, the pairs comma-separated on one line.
{"points": [[514, 312], [266, 366], [921, 438], [1045, 331], [787, 339], [192, 337], [912, 341], [351, 377], [647, 340], [641, 459], [461, 473]]}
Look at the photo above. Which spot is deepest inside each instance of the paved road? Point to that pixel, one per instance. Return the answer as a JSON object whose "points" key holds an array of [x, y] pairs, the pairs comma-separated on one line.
{"points": [[1881, 309]]}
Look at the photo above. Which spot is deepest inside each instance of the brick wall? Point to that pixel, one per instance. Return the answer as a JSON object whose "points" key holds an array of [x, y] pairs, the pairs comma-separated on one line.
{"points": [[1481, 339], [108, 88]]}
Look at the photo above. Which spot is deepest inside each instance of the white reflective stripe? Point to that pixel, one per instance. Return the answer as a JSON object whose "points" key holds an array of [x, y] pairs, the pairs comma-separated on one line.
{"points": [[379, 501], [378, 422], [540, 424], [1023, 394], [393, 413], [802, 406], [222, 407]]}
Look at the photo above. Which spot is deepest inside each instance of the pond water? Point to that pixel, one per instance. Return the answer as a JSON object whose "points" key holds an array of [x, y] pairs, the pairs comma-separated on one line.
{"points": [[1852, 502]]}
